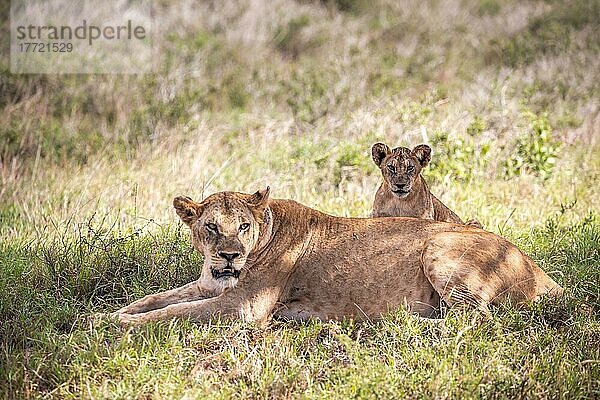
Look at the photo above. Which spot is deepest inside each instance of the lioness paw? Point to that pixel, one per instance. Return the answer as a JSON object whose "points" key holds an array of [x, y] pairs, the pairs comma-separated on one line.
{"points": [[129, 319]]}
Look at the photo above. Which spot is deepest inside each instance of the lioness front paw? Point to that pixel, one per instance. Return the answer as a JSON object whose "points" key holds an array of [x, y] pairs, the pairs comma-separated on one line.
{"points": [[128, 319], [128, 309]]}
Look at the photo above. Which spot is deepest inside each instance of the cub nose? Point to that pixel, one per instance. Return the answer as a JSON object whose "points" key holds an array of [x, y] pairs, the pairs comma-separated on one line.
{"points": [[229, 256], [402, 187]]}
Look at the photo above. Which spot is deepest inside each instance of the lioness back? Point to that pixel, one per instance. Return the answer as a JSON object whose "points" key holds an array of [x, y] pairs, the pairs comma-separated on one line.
{"points": [[348, 269], [363, 267]]}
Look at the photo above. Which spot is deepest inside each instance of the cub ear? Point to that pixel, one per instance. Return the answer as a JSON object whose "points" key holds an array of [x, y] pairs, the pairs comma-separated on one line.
{"points": [[379, 151], [423, 154], [259, 202], [187, 209]]}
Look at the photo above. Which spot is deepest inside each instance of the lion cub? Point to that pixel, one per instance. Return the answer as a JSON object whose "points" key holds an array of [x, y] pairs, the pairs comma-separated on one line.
{"points": [[404, 192]]}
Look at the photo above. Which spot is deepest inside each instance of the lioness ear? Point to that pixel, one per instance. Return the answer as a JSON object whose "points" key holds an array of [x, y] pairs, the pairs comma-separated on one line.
{"points": [[379, 151], [261, 197], [187, 209], [258, 202], [423, 154]]}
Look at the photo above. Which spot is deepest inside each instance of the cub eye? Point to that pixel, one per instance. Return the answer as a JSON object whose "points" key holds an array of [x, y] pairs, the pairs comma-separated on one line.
{"points": [[244, 227], [212, 228], [410, 168], [391, 168]]}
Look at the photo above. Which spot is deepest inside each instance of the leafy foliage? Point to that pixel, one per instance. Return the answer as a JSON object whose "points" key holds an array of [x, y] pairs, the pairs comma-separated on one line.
{"points": [[457, 159], [537, 152]]}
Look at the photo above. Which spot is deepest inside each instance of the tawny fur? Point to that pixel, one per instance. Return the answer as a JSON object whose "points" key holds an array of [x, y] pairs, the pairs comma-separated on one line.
{"points": [[298, 263], [404, 192]]}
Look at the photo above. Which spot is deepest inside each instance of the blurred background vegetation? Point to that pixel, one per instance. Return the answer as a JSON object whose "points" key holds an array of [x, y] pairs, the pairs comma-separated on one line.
{"points": [[292, 94]]}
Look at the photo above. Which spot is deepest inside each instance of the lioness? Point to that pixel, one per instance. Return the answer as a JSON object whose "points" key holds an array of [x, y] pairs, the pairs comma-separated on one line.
{"points": [[277, 257], [404, 192]]}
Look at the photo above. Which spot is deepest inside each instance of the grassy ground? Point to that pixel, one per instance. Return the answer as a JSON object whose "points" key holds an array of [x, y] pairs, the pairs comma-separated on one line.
{"points": [[49, 347], [292, 95]]}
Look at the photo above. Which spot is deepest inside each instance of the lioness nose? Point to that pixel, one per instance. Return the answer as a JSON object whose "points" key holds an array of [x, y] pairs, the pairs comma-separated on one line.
{"points": [[228, 256]]}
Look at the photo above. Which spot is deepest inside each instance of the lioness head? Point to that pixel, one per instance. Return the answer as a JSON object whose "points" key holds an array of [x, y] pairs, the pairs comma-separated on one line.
{"points": [[401, 166], [225, 228]]}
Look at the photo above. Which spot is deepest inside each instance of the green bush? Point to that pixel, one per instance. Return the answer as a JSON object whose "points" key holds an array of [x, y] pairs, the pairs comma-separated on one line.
{"points": [[351, 157], [456, 159], [536, 152], [476, 127]]}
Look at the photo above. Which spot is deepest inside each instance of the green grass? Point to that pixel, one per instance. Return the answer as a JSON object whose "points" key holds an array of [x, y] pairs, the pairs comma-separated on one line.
{"points": [[48, 346]]}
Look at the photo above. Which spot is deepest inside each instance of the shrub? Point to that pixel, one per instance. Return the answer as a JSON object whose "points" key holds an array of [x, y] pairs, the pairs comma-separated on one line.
{"points": [[536, 152], [476, 127], [354, 159], [457, 158]]}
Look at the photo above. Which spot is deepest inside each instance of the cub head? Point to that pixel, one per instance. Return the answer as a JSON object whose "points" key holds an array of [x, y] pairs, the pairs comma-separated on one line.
{"points": [[225, 228], [401, 166]]}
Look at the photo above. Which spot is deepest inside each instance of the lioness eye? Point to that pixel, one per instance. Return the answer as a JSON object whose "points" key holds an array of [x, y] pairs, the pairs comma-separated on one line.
{"points": [[244, 226], [211, 228], [391, 168]]}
